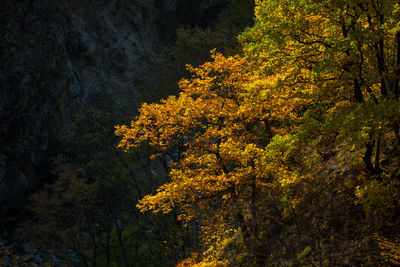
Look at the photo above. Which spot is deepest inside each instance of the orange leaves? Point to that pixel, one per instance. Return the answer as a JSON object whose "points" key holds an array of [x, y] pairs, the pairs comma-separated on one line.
{"points": [[220, 124], [234, 118], [390, 251], [272, 99], [223, 77]]}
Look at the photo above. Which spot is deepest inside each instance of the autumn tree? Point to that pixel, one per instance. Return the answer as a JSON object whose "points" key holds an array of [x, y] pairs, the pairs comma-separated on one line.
{"points": [[347, 142], [288, 155], [348, 50], [218, 126]]}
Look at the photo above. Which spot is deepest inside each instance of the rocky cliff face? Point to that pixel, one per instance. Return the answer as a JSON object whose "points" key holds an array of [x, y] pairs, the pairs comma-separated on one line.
{"points": [[54, 53]]}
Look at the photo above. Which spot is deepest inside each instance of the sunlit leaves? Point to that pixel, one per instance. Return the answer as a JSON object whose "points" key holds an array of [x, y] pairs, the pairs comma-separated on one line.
{"points": [[268, 144]]}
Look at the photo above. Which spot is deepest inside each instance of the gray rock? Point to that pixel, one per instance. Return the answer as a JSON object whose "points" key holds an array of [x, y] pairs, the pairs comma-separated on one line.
{"points": [[53, 54]]}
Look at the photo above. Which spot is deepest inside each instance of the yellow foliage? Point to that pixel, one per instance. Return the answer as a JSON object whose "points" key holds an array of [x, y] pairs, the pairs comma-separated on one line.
{"points": [[379, 197], [219, 125], [390, 251], [220, 122], [316, 68]]}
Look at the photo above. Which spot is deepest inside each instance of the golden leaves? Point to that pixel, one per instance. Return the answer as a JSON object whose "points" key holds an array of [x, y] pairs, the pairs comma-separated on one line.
{"points": [[220, 124], [390, 251]]}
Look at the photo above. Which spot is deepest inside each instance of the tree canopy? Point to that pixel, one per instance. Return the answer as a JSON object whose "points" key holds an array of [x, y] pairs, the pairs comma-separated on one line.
{"points": [[288, 154]]}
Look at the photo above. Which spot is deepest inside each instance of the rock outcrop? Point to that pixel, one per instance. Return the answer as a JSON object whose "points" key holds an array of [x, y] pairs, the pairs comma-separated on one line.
{"points": [[53, 54]]}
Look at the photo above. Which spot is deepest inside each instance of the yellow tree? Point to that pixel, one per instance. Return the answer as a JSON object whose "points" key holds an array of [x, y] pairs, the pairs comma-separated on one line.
{"points": [[320, 78], [348, 50], [216, 131]]}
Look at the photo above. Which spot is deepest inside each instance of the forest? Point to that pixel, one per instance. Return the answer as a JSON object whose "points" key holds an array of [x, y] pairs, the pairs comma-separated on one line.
{"points": [[266, 133]]}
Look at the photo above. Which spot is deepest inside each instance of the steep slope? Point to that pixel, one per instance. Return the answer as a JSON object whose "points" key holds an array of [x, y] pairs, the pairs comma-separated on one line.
{"points": [[54, 53]]}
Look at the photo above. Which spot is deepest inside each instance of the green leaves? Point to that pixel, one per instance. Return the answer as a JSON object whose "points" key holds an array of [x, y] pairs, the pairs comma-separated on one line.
{"points": [[294, 145]]}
